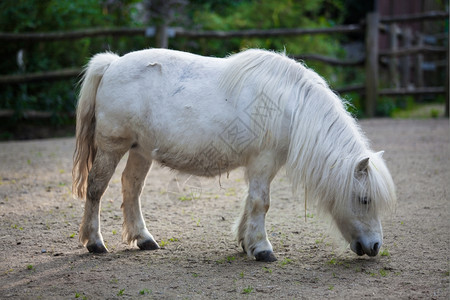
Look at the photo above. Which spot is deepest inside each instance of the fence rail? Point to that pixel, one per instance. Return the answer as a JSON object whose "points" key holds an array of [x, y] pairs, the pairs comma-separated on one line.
{"points": [[329, 60], [40, 76], [33, 114], [173, 32], [413, 50], [425, 16]]}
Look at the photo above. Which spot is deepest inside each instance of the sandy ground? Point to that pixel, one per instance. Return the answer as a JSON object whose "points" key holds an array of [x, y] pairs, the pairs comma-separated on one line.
{"points": [[41, 258]]}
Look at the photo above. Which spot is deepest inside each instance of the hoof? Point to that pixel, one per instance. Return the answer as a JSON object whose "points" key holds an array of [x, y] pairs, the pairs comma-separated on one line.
{"points": [[148, 245], [97, 248], [265, 256]]}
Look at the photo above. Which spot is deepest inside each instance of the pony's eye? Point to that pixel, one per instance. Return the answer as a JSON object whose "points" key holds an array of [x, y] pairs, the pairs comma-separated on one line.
{"points": [[364, 200]]}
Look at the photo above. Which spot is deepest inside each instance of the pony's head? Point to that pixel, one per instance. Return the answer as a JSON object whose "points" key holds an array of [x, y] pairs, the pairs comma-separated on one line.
{"points": [[371, 193]]}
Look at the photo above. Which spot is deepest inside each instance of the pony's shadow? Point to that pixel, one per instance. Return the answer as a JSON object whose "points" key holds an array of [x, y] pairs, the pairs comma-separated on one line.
{"points": [[361, 264]]}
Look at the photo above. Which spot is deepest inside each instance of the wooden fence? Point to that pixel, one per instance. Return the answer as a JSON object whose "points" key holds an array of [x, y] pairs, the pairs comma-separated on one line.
{"points": [[372, 26]]}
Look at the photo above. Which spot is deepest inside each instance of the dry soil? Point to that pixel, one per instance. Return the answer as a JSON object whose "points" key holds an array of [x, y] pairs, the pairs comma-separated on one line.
{"points": [[191, 218]]}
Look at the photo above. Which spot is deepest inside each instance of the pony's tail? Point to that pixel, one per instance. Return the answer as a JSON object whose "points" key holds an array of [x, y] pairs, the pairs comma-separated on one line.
{"points": [[86, 149]]}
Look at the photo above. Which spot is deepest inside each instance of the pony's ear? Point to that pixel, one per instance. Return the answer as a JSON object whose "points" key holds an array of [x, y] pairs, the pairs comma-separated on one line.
{"points": [[363, 165], [380, 154]]}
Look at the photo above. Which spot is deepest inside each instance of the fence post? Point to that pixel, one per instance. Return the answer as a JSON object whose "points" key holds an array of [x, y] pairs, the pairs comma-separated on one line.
{"points": [[406, 60], [447, 81], [161, 36], [371, 69], [419, 62], [393, 61]]}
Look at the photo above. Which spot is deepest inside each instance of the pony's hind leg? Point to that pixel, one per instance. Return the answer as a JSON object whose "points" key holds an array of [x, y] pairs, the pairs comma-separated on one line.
{"points": [[251, 230], [133, 180], [99, 176]]}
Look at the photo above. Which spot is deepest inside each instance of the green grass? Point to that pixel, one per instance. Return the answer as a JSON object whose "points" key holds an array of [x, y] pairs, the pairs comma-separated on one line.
{"points": [[247, 290], [285, 261], [145, 292], [383, 272], [163, 243], [16, 227], [78, 295], [420, 111], [120, 293], [385, 252]]}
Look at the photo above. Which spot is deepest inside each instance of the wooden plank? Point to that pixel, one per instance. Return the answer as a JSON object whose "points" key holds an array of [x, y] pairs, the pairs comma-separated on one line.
{"points": [[393, 61], [447, 82], [405, 51], [33, 114], [179, 32], [40, 76], [328, 60], [412, 91], [351, 88], [267, 32], [419, 63], [405, 63], [70, 35], [162, 37], [429, 15], [371, 65]]}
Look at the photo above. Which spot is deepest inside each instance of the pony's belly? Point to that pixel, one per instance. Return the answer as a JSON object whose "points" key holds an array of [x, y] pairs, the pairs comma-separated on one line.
{"points": [[200, 164]]}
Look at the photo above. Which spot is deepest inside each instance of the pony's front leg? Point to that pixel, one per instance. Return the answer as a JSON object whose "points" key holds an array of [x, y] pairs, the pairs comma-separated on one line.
{"points": [[102, 170], [133, 181], [251, 229]]}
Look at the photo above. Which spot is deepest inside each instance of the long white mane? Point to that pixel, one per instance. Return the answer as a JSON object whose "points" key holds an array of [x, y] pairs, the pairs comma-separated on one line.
{"points": [[325, 143]]}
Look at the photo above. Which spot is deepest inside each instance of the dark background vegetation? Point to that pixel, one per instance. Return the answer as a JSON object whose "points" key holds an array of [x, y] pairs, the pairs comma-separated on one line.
{"points": [[59, 97]]}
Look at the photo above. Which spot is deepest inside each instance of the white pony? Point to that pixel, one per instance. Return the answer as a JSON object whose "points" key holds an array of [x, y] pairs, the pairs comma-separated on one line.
{"points": [[206, 116]]}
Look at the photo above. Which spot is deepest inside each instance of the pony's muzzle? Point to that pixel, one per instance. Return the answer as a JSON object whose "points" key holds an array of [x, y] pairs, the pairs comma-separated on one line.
{"points": [[363, 246]]}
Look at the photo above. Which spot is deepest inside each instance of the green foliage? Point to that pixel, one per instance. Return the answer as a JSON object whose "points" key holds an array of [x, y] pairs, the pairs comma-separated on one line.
{"points": [[267, 15], [385, 106], [20, 16], [59, 97]]}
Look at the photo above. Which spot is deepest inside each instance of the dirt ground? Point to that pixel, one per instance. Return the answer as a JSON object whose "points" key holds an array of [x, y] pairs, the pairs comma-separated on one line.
{"points": [[41, 258]]}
